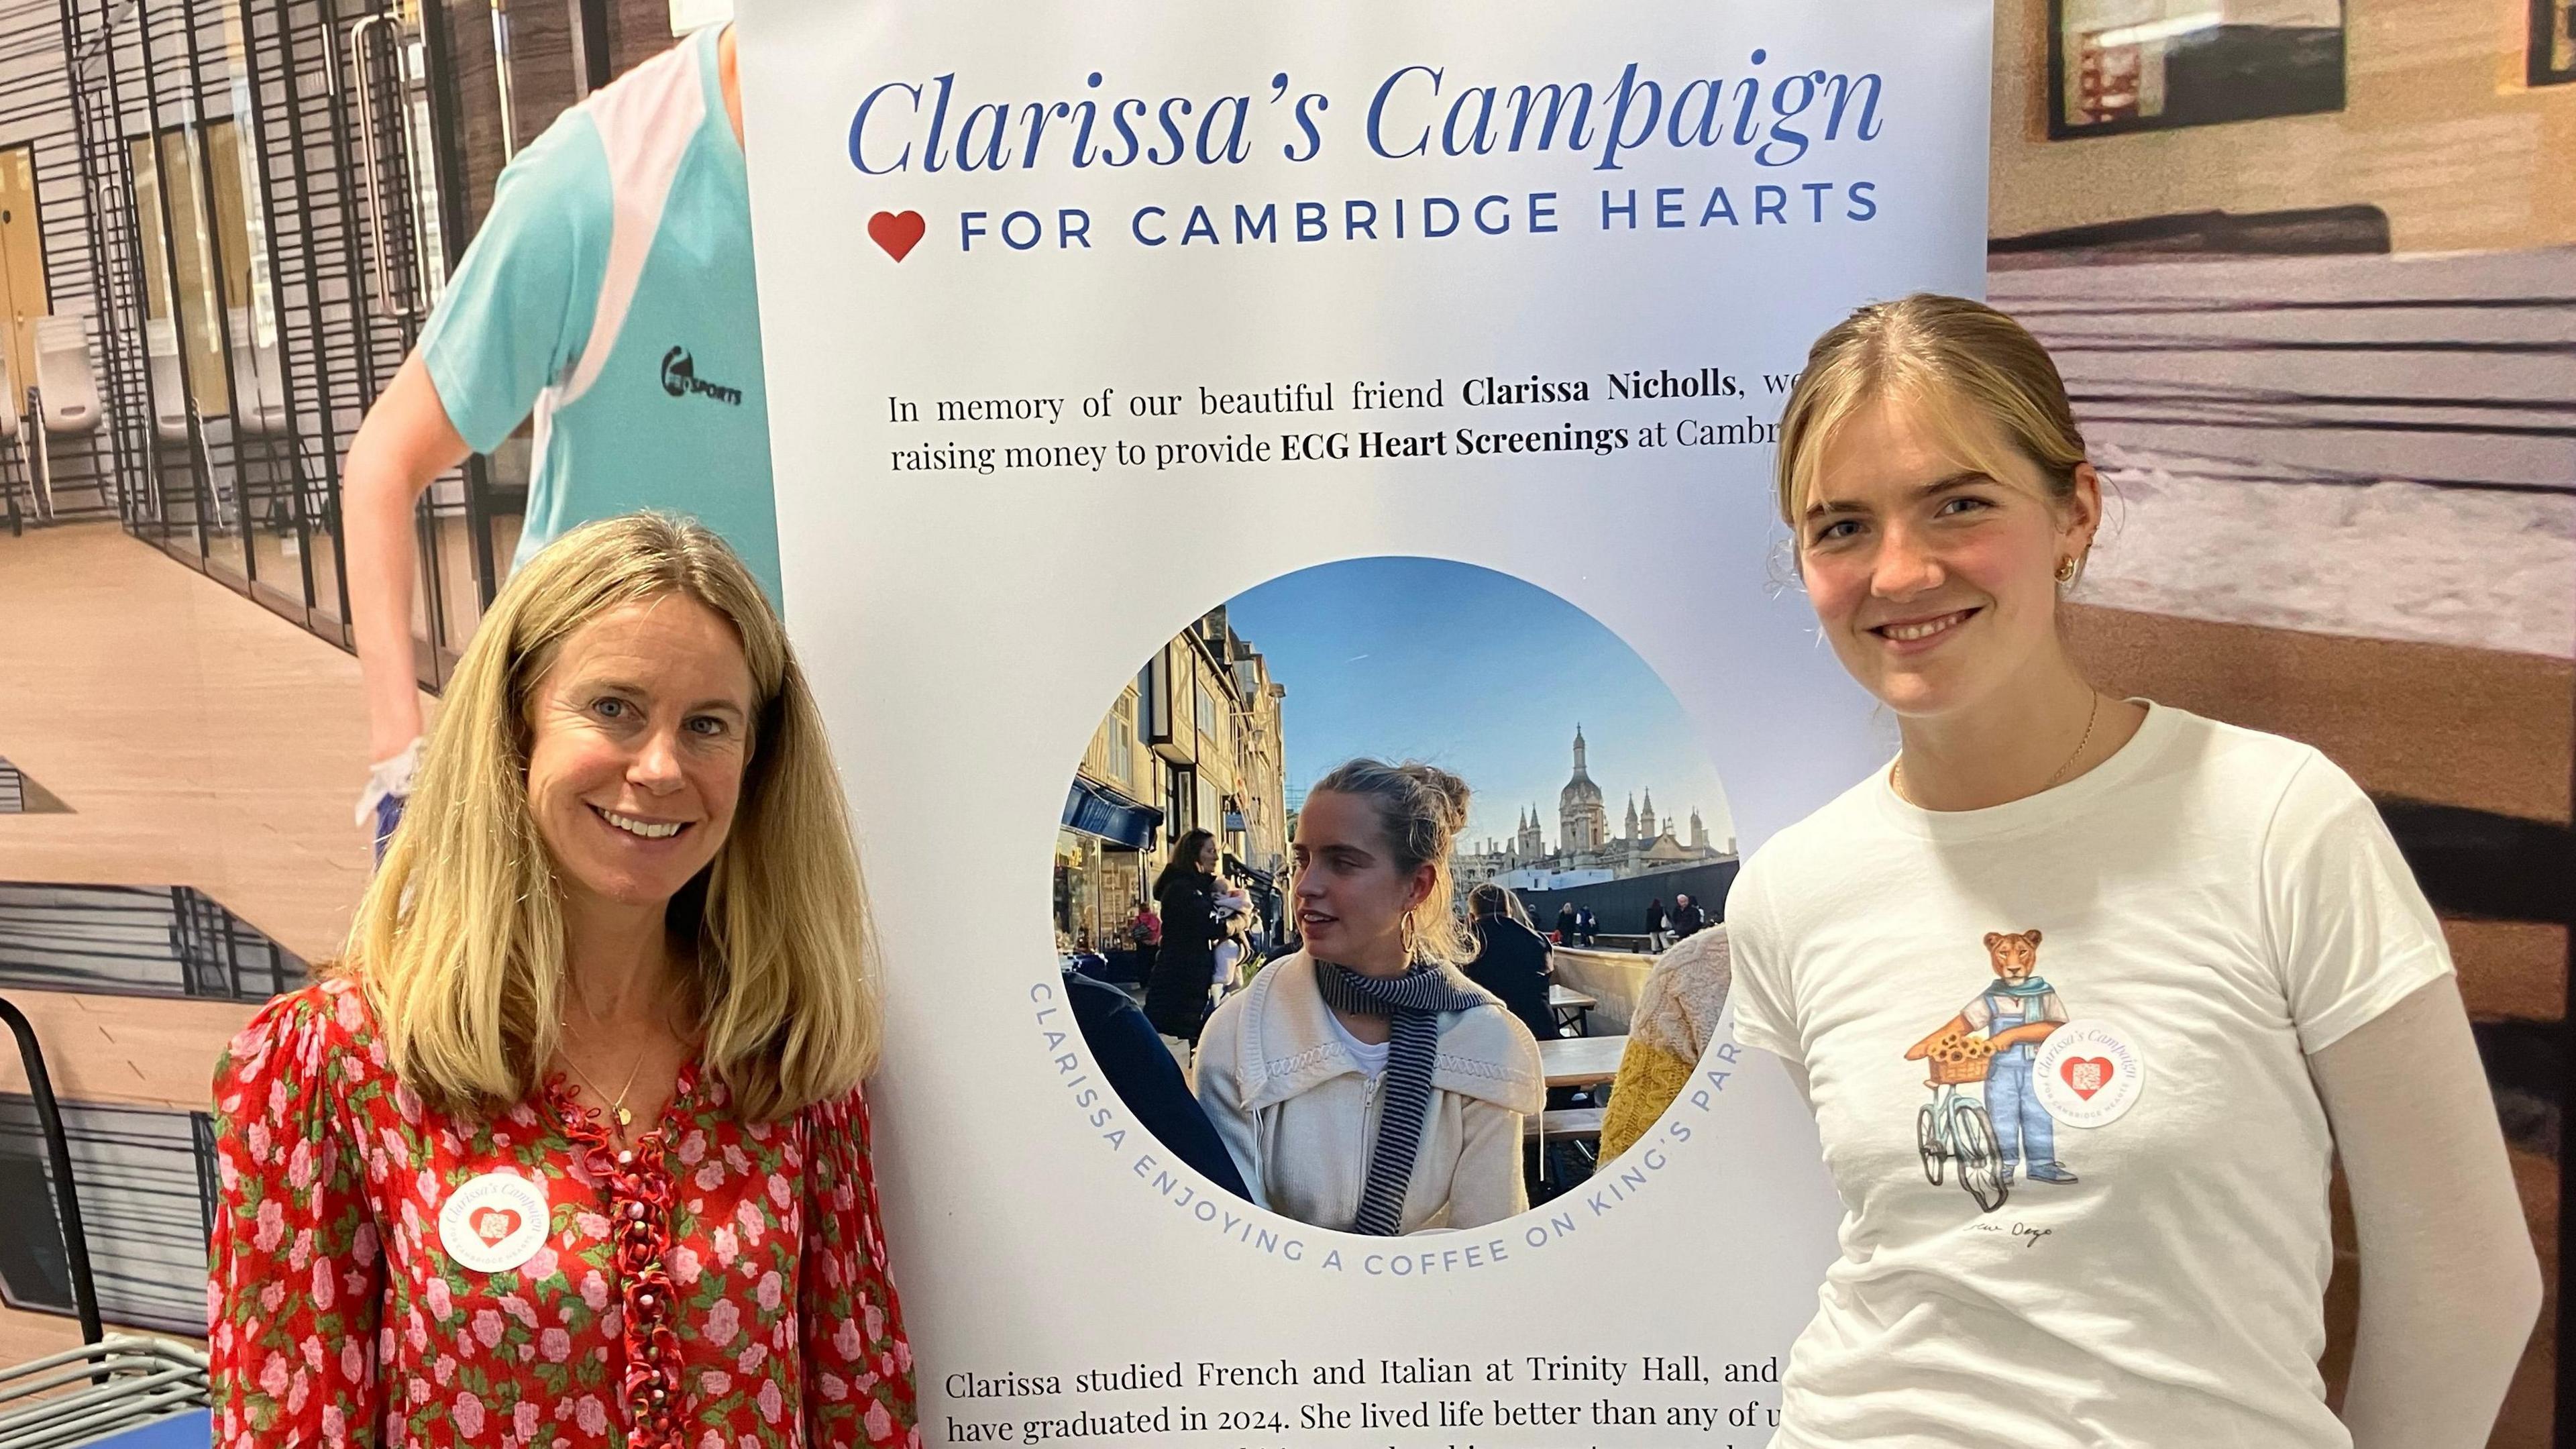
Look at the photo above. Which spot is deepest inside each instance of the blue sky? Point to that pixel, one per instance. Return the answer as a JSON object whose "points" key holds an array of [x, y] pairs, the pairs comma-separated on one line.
{"points": [[1477, 672]]}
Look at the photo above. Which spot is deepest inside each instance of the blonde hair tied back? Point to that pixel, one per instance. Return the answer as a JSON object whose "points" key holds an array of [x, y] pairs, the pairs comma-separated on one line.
{"points": [[1420, 810], [458, 941], [1977, 378]]}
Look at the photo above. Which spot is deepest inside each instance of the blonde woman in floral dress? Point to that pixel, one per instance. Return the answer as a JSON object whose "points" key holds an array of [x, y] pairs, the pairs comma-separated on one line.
{"points": [[569, 1150]]}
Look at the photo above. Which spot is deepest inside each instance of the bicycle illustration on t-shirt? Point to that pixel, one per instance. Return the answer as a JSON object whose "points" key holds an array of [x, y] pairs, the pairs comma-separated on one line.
{"points": [[1994, 1039]]}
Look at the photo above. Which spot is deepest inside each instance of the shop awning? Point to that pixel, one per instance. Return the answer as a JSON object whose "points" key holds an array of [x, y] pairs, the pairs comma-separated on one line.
{"points": [[1097, 810]]}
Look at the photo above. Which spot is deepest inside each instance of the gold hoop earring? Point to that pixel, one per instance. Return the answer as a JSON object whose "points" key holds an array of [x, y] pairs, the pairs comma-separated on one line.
{"points": [[2066, 571], [1412, 939]]}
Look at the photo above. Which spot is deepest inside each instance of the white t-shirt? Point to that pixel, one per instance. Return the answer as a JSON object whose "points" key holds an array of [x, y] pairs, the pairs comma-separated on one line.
{"points": [[2196, 914], [1371, 1055]]}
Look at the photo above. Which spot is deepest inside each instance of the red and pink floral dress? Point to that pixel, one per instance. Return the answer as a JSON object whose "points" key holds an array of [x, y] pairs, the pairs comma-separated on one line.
{"points": [[718, 1285]]}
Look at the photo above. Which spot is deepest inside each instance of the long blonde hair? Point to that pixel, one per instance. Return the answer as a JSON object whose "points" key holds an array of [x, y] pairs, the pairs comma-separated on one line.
{"points": [[458, 941], [1489, 899], [1976, 376], [1420, 808]]}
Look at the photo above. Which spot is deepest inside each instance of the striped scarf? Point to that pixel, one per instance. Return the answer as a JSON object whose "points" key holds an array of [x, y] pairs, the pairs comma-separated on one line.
{"points": [[1415, 1001]]}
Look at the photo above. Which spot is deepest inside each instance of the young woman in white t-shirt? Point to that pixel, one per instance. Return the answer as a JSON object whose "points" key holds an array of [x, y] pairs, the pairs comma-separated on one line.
{"points": [[2088, 1208]]}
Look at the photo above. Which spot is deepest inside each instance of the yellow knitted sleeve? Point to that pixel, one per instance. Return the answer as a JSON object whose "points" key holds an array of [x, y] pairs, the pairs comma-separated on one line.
{"points": [[1648, 1081]]}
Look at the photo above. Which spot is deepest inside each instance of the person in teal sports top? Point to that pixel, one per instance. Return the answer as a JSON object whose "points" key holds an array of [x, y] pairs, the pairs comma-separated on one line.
{"points": [[609, 297]]}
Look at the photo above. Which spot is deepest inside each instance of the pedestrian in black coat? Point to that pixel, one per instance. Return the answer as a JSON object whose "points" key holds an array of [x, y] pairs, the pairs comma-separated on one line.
{"points": [[1687, 917], [1564, 925], [1512, 960], [1176, 991]]}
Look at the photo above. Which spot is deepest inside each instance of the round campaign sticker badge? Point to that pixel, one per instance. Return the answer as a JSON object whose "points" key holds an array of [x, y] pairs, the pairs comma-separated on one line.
{"points": [[494, 1223], [2088, 1074]]}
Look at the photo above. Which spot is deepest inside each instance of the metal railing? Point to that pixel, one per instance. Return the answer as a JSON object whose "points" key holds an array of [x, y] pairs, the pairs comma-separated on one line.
{"points": [[58, 1160], [138, 941], [132, 1382]]}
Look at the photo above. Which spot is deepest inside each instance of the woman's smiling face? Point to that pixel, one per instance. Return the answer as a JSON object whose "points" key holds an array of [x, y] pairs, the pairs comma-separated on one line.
{"points": [[1934, 581], [639, 735]]}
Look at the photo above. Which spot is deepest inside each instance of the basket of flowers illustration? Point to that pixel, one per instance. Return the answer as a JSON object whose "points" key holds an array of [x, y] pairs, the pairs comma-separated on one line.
{"points": [[1956, 1058]]}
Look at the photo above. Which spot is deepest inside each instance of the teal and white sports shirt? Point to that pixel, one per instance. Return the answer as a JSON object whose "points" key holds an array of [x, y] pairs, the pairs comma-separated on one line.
{"points": [[609, 294]]}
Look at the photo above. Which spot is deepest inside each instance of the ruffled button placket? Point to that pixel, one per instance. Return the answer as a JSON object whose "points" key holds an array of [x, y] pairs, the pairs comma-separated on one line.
{"points": [[640, 1194]]}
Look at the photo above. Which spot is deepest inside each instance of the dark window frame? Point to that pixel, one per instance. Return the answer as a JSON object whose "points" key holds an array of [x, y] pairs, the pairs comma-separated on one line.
{"points": [[2551, 22], [2059, 129]]}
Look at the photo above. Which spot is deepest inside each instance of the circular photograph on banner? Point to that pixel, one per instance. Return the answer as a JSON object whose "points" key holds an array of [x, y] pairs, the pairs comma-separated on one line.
{"points": [[1390, 894]]}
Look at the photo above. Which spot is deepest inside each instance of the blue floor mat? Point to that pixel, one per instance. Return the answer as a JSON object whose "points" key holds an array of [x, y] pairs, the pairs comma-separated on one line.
{"points": [[194, 1429]]}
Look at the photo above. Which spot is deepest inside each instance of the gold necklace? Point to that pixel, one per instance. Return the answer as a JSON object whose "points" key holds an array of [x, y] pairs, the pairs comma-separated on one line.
{"points": [[1896, 772], [2091, 711], [616, 1107]]}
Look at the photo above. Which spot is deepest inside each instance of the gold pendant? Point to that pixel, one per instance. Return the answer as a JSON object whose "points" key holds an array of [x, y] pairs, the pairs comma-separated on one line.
{"points": [[624, 1117]]}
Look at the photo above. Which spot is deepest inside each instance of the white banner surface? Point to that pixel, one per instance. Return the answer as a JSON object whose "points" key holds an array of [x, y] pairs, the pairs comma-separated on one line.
{"points": [[1084, 320]]}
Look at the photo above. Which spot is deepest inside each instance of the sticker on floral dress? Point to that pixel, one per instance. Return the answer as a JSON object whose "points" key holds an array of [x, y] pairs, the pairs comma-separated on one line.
{"points": [[494, 1223]]}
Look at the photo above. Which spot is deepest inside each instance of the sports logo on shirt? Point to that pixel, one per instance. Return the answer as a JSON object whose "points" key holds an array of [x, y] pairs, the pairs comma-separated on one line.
{"points": [[680, 379]]}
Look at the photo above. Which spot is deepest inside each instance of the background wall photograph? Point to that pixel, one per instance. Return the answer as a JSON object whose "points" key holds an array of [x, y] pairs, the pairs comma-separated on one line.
{"points": [[2327, 364]]}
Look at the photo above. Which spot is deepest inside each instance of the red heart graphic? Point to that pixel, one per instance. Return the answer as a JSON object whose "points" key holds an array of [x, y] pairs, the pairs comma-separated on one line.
{"points": [[493, 1225], [897, 231], [2086, 1075]]}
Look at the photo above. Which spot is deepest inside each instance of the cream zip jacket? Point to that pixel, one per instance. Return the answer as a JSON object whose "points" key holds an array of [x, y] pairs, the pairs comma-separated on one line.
{"points": [[1300, 1116]]}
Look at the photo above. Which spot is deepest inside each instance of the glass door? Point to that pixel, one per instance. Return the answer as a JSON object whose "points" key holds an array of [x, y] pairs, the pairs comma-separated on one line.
{"points": [[338, 157], [23, 296], [193, 250], [187, 218]]}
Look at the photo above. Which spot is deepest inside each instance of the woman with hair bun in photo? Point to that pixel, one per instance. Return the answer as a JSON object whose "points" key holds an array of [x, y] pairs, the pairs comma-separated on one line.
{"points": [[1363, 1082]]}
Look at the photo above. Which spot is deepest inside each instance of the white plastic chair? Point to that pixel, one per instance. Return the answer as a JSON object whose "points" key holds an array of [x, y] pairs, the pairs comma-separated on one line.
{"points": [[169, 389], [64, 377], [34, 464]]}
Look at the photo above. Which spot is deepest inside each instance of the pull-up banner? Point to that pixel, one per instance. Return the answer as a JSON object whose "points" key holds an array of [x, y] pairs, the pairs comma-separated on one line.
{"points": [[1172, 402]]}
